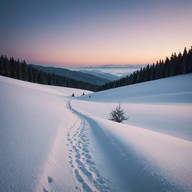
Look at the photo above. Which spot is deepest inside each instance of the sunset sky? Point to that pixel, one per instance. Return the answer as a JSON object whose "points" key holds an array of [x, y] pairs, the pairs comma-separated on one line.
{"points": [[94, 32]]}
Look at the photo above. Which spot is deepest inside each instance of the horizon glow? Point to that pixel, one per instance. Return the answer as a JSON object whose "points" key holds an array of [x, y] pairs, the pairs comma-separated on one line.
{"points": [[94, 32]]}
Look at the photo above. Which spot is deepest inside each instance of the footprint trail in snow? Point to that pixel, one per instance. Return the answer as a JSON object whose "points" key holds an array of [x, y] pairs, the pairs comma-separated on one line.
{"points": [[80, 158]]}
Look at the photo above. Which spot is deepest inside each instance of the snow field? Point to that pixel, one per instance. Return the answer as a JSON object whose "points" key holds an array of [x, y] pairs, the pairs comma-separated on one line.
{"points": [[80, 155], [168, 118], [168, 157], [49, 142], [167, 153], [159, 130], [177, 89], [33, 127]]}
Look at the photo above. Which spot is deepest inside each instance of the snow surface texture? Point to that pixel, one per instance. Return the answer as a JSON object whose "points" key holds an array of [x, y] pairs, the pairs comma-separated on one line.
{"points": [[51, 142]]}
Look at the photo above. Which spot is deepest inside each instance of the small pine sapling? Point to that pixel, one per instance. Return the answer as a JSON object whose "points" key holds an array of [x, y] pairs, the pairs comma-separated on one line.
{"points": [[118, 115]]}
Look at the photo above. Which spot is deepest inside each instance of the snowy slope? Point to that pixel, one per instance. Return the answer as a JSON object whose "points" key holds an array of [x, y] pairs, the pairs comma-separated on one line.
{"points": [[34, 122], [162, 105], [169, 90], [159, 126], [52, 142]]}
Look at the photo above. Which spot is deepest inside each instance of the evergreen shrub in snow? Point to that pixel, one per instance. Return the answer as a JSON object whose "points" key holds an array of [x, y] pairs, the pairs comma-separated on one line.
{"points": [[118, 115]]}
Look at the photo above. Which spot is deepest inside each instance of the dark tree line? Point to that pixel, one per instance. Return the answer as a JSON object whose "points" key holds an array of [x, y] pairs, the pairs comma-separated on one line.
{"points": [[175, 65], [20, 70]]}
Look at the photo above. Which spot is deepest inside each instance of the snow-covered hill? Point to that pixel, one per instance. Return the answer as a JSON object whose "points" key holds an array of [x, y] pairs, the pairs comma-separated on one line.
{"points": [[177, 89], [52, 142], [162, 105]]}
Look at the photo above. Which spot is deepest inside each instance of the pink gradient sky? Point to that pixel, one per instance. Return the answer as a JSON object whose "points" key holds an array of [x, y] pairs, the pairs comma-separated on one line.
{"points": [[94, 32]]}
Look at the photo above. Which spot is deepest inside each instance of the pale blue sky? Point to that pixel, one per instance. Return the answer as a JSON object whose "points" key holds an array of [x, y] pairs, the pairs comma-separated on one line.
{"points": [[88, 32]]}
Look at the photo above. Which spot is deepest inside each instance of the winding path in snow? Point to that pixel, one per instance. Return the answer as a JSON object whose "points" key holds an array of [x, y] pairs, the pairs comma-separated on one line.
{"points": [[80, 158], [127, 171]]}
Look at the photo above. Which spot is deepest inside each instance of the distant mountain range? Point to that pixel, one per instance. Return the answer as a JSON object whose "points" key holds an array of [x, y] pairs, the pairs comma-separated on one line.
{"points": [[103, 75], [110, 72], [77, 75]]}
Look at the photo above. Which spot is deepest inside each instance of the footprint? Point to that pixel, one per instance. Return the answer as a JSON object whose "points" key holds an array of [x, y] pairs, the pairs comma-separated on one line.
{"points": [[88, 156], [85, 186], [89, 162], [45, 190], [50, 179]]}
